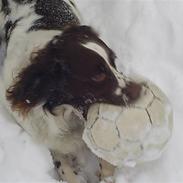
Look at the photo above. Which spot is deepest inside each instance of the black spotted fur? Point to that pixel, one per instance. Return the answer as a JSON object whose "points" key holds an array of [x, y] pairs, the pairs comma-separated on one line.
{"points": [[55, 15]]}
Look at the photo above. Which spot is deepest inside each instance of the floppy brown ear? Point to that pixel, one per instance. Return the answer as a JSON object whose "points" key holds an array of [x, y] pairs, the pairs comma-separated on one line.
{"points": [[34, 85]]}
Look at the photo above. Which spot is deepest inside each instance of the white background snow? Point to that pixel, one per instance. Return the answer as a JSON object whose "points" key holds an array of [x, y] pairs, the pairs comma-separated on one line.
{"points": [[148, 39]]}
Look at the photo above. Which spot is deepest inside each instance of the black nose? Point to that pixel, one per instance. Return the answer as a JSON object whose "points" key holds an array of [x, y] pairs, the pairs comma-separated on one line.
{"points": [[132, 91]]}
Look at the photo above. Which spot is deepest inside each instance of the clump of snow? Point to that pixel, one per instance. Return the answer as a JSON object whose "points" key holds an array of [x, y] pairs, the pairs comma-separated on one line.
{"points": [[147, 37]]}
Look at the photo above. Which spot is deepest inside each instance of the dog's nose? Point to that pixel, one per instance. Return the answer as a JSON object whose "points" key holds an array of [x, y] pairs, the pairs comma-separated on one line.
{"points": [[132, 91]]}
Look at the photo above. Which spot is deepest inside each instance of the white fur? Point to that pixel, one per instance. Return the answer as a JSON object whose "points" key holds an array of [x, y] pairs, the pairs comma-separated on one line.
{"points": [[98, 49], [19, 50], [118, 91]]}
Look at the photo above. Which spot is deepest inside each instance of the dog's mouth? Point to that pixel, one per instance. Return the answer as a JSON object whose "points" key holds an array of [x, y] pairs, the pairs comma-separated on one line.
{"points": [[129, 95]]}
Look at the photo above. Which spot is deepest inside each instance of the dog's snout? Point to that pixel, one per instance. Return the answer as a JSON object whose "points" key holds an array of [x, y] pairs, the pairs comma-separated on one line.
{"points": [[132, 91]]}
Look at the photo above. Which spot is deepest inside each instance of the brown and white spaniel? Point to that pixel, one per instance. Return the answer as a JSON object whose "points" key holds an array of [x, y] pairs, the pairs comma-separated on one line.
{"points": [[53, 68]]}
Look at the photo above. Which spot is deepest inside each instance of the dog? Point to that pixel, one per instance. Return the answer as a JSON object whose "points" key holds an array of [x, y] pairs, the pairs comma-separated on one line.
{"points": [[53, 69]]}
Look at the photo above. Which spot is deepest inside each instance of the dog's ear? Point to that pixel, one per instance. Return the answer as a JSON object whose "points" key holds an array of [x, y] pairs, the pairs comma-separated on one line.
{"points": [[35, 84]]}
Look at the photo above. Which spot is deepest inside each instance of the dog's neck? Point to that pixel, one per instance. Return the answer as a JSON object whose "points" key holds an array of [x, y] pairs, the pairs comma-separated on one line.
{"points": [[27, 45]]}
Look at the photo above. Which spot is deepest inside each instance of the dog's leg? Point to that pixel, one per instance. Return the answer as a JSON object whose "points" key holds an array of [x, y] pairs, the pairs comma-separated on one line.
{"points": [[79, 167], [66, 170], [107, 172]]}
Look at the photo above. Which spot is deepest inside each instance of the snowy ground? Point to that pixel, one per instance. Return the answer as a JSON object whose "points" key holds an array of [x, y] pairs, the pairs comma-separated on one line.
{"points": [[148, 39]]}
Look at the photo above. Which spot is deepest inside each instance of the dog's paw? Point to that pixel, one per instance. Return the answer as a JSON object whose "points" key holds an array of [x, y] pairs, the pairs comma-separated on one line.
{"points": [[69, 174], [108, 180]]}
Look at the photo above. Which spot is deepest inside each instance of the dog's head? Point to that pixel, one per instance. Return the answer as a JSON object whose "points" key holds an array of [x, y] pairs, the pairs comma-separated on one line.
{"points": [[75, 68]]}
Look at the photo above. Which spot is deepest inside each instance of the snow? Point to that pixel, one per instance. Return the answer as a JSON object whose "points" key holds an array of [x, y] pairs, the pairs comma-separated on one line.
{"points": [[21, 160], [147, 37]]}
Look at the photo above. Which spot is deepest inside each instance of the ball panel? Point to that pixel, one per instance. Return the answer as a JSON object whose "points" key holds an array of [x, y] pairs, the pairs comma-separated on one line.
{"points": [[157, 113], [133, 124], [157, 92], [145, 99], [109, 112], [155, 143], [105, 135], [93, 114], [170, 117]]}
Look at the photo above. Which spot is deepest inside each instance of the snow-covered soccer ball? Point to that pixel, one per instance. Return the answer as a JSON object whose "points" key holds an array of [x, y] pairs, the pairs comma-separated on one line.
{"points": [[133, 134]]}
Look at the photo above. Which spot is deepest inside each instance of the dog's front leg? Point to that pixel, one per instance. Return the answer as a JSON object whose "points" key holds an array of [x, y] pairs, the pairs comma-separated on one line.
{"points": [[67, 168], [107, 172], [66, 171], [81, 166]]}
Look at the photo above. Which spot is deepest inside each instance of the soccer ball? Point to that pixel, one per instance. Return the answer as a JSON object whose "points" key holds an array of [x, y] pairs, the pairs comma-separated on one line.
{"points": [[133, 134]]}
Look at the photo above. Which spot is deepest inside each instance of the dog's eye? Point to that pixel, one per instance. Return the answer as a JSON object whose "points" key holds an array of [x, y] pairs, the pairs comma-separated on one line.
{"points": [[99, 77]]}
